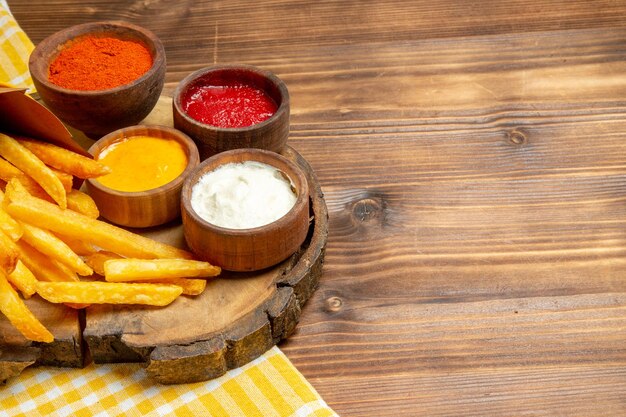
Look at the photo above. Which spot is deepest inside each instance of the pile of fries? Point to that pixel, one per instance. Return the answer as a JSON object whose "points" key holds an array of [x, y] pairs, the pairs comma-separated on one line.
{"points": [[52, 244]]}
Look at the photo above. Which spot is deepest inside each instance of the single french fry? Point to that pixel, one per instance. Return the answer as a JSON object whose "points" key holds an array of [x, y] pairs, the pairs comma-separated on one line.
{"points": [[19, 315], [14, 189], [78, 246], [44, 268], [32, 166], [66, 179], [96, 260], [116, 270], [82, 203], [8, 224], [64, 160], [190, 286], [50, 245], [78, 226], [23, 279], [67, 272], [8, 253], [9, 172], [34, 189], [98, 292]]}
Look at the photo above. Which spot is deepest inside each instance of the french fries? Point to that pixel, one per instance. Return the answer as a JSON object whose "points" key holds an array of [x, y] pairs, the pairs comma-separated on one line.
{"points": [[8, 171], [49, 235], [78, 226], [66, 179], [44, 268], [8, 225], [19, 315], [76, 200], [82, 203], [26, 161], [96, 260], [120, 270], [64, 160], [190, 286], [78, 246], [23, 279], [48, 244], [98, 292], [8, 253]]}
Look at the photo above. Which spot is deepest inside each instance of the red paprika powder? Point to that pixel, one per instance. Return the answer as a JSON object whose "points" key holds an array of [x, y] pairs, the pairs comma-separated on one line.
{"points": [[99, 63]]}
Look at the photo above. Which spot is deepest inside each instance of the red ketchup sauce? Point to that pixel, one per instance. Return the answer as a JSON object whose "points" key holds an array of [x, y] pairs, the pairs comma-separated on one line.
{"points": [[230, 105]]}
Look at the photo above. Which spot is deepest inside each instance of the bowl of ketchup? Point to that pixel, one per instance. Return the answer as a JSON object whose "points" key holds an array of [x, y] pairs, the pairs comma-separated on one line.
{"points": [[229, 107]]}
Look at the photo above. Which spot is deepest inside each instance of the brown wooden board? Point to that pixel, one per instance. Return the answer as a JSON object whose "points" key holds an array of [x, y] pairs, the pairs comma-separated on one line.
{"points": [[237, 318]]}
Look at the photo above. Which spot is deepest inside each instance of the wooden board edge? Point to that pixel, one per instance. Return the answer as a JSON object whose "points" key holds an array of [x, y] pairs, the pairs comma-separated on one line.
{"points": [[14, 360], [245, 340], [112, 349], [67, 350], [68, 353], [304, 276]]}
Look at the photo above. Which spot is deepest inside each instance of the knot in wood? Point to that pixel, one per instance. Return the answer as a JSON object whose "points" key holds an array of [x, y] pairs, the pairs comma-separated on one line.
{"points": [[334, 304], [366, 209], [517, 138]]}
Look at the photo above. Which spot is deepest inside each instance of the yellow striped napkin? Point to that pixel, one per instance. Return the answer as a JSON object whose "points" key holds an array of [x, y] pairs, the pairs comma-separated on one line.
{"points": [[14, 52], [268, 386]]}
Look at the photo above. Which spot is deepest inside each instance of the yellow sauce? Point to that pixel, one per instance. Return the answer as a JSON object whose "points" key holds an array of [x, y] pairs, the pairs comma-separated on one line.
{"points": [[141, 163]]}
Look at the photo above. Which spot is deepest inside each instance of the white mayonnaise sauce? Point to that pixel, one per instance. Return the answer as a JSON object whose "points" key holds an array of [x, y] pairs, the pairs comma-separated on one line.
{"points": [[242, 195]]}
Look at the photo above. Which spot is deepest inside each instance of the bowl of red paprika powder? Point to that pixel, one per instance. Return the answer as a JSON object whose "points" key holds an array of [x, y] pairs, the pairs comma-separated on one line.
{"points": [[229, 107], [99, 77]]}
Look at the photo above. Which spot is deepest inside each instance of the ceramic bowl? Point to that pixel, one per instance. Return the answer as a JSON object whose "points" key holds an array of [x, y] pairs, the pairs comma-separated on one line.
{"points": [[99, 112], [142, 208], [270, 134], [254, 248]]}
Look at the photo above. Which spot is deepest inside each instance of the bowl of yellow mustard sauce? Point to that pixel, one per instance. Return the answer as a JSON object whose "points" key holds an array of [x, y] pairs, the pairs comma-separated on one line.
{"points": [[148, 167]]}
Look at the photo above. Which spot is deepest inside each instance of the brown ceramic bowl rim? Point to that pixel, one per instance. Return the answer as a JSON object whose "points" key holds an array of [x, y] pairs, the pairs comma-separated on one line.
{"points": [[193, 158], [57, 39], [301, 199], [196, 75]]}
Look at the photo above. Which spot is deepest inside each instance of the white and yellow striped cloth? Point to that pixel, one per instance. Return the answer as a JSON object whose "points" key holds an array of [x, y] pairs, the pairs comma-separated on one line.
{"points": [[268, 386], [15, 48]]}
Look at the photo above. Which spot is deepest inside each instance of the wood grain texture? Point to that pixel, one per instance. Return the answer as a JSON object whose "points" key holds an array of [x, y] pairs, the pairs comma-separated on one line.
{"points": [[472, 156]]}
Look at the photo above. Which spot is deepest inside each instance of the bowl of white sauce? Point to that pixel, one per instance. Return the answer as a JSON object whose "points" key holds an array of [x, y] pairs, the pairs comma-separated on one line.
{"points": [[245, 209]]}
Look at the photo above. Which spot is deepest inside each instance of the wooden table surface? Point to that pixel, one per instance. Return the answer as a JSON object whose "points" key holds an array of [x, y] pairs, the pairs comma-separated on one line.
{"points": [[473, 160]]}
